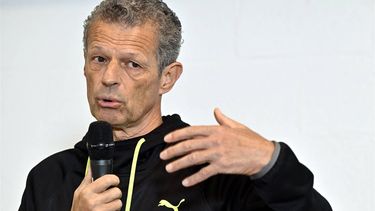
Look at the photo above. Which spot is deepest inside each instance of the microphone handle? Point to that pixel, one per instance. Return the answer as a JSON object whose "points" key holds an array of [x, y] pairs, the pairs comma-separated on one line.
{"points": [[101, 167]]}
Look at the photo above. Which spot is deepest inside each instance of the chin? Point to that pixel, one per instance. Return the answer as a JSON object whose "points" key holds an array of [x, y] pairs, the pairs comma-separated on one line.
{"points": [[111, 118]]}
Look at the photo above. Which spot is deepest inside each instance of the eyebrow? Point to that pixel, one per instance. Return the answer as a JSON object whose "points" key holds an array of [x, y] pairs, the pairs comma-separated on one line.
{"points": [[139, 57], [96, 47]]}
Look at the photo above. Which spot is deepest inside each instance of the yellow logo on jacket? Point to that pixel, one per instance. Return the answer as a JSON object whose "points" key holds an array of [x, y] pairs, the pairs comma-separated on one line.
{"points": [[165, 203]]}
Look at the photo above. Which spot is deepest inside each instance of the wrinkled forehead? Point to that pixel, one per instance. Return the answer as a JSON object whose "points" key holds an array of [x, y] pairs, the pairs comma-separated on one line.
{"points": [[116, 29], [149, 27]]}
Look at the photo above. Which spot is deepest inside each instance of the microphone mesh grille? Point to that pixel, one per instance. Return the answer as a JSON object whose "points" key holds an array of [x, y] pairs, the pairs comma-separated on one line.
{"points": [[100, 133]]}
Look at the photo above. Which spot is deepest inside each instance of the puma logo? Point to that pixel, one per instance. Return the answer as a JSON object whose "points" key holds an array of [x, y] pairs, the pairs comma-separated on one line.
{"points": [[165, 203]]}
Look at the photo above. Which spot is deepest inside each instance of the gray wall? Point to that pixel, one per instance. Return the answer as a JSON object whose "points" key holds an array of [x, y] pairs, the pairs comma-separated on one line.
{"points": [[298, 71]]}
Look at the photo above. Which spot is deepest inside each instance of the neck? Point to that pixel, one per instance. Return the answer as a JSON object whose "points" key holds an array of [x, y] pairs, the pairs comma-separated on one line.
{"points": [[146, 125]]}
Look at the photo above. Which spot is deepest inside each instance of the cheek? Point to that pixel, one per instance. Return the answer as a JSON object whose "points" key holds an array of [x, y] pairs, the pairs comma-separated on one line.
{"points": [[90, 86], [146, 93]]}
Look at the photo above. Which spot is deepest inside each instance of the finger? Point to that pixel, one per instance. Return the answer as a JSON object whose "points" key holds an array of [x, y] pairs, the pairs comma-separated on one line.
{"points": [[104, 182], [189, 133], [112, 206], [224, 120], [200, 176], [110, 195], [192, 159], [185, 147]]}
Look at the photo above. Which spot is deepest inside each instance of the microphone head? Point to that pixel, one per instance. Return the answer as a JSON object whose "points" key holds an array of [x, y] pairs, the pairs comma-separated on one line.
{"points": [[100, 143]]}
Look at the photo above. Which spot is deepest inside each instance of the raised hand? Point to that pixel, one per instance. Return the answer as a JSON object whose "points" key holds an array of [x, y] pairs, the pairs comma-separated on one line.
{"points": [[227, 148]]}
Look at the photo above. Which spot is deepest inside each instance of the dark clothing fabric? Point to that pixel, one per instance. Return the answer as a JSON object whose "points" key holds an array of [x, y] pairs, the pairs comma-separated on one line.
{"points": [[288, 186]]}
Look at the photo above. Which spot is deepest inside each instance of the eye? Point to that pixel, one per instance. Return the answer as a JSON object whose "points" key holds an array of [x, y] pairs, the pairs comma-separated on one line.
{"points": [[99, 59], [133, 65], [134, 69]]}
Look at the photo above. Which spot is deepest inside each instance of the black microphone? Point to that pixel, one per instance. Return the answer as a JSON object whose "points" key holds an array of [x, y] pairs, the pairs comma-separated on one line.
{"points": [[101, 148]]}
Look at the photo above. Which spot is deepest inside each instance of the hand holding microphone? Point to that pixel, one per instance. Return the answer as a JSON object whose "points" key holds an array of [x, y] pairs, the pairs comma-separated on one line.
{"points": [[98, 190]]}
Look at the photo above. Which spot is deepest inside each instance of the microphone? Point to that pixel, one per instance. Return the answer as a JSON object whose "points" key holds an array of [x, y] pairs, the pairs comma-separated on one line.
{"points": [[101, 148]]}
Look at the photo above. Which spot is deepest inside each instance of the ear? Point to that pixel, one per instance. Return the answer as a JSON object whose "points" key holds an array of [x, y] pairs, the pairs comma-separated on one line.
{"points": [[84, 66], [84, 71], [169, 76]]}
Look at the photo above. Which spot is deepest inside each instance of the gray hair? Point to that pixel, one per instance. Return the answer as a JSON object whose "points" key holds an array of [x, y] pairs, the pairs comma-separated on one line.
{"points": [[138, 12]]}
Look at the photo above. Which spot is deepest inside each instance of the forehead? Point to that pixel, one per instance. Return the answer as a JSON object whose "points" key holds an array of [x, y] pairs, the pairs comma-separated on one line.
{"points": [[116, 34]]}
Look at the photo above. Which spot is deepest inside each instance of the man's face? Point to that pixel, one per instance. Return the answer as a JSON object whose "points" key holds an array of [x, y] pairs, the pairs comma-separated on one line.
{"points": [[121, 69]]}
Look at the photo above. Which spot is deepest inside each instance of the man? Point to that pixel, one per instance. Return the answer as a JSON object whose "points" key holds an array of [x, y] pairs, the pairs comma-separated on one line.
{"points": [[130, 49]]}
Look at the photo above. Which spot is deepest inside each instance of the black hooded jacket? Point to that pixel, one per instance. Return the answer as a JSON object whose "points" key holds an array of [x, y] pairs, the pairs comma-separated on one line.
{"points": [[288, 186]]}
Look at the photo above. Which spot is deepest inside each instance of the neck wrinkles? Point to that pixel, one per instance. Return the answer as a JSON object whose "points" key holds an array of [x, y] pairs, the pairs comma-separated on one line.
{"points": [[125, 133]]}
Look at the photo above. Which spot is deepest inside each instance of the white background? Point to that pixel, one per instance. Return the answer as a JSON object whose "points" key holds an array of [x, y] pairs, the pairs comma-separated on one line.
{"points": [[298, 71]]}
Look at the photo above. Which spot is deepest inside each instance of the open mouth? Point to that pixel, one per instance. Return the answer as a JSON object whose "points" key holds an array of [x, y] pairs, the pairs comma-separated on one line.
{"points": [[109, 103], [107, 100]]}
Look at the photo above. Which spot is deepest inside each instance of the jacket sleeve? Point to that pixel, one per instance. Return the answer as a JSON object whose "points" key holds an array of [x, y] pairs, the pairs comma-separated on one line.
{"points": [[27, 201], [50, 184], [289, 185]]}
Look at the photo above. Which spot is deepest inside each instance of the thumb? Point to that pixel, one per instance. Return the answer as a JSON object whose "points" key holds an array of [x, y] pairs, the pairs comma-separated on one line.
{"points": [[224, 120], [77, 202]]}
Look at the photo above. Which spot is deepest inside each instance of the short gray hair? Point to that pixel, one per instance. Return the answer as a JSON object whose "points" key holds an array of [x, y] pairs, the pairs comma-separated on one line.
{"points": [[138, 12]]}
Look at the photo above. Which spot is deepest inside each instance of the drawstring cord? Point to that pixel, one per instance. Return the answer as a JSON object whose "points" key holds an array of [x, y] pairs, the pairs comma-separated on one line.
{"points": [[132, 173]]}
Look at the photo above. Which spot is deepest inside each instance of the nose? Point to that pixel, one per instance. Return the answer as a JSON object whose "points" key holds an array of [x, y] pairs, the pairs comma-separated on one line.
{"points": [[111, 75]]}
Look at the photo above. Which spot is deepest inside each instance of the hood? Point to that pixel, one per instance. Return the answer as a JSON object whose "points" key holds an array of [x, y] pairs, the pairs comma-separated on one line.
{"points": [[149, 151]]}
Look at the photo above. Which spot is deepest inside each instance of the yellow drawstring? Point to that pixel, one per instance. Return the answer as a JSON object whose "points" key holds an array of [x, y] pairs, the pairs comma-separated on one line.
{"points": [[132, 174], [87, 166]]}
